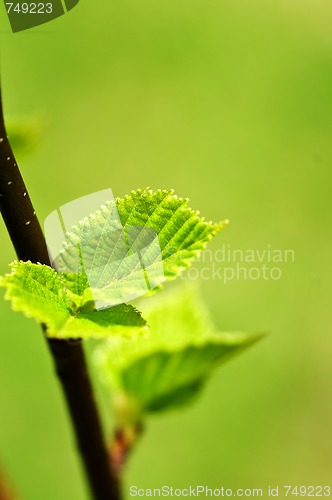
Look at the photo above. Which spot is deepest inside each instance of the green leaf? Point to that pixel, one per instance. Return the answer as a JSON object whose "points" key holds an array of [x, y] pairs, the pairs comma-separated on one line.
{"points": [[182, 233], [123, 319], [170, 366], [130, 246], [165, 379], [38, 292]]}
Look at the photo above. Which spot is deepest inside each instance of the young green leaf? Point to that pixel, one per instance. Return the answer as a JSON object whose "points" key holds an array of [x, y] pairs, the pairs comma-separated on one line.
{"points": [[171, 365], [131, 245], [122, 319], [164, 379], [181, 232], [38, 291]]}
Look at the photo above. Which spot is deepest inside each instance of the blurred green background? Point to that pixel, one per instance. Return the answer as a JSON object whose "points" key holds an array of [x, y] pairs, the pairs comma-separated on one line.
{"points": [[229, 103]]}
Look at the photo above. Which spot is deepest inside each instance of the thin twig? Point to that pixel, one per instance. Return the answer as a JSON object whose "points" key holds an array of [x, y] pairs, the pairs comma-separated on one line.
{"points": [[6, 492], [29, 243]]}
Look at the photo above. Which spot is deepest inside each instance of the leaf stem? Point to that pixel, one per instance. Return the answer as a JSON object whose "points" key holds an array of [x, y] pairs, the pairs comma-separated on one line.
{"points": [[29, 243], [124, 440]]}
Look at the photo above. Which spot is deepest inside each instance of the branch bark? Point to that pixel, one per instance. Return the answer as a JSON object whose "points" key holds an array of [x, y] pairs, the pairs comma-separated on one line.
{"points": [[5, 491], [29, 243]]}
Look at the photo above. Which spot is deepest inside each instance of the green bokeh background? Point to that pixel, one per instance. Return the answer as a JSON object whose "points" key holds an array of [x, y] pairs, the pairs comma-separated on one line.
{"points": [[229, 102]]}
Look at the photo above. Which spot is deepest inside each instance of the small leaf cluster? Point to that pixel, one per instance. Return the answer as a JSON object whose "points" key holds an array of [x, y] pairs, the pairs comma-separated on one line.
{"points": [[151, 362], [65, 301]]}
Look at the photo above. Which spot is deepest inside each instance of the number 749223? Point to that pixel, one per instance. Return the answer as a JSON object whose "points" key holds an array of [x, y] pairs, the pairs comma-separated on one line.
{"points": [[308, 491], [29, 8]]}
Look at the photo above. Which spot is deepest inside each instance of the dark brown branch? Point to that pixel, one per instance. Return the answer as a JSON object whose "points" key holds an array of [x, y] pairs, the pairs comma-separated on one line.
{"points": [[6, 492], [29, 243]]}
